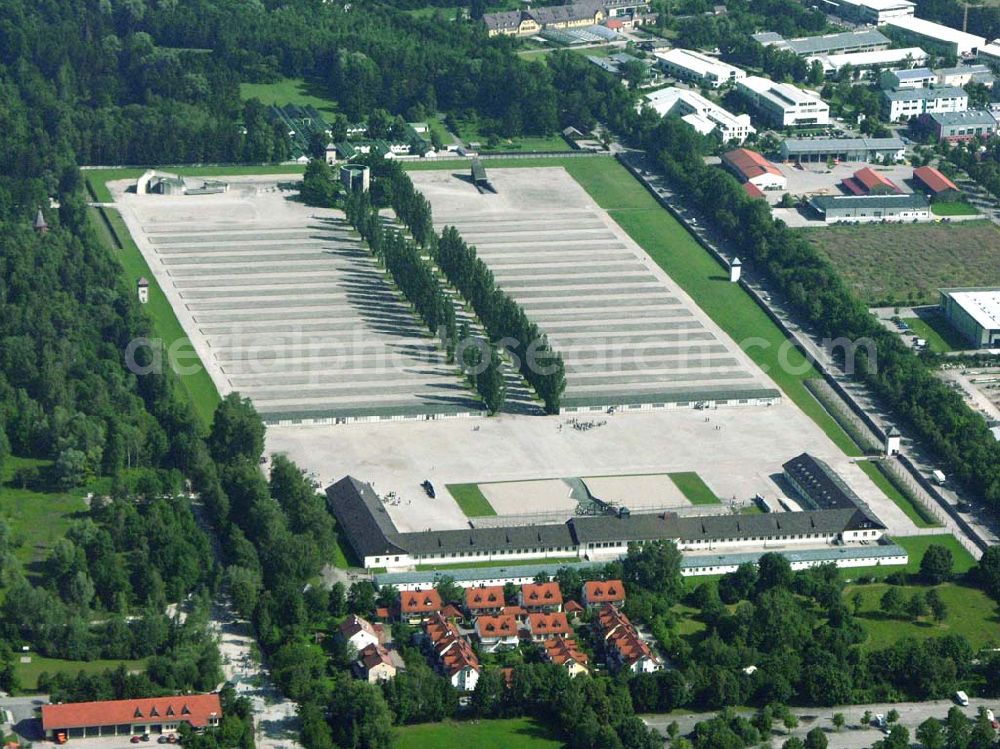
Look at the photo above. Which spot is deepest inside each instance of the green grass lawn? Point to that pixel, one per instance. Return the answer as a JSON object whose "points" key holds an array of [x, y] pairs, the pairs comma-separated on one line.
{"points": [[693, 488], [940, 336], [913, 511], [517, 733], [471, 500], [954, 208], [37, 519], [915, 547], [971, 613], [28, 673], [555, 563], [469, 132], [289, 91], [198, 384]]}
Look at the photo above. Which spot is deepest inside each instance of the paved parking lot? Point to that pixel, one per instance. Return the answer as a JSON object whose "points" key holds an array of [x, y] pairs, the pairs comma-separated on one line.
{"points": [[627, 332], [285, 305]]}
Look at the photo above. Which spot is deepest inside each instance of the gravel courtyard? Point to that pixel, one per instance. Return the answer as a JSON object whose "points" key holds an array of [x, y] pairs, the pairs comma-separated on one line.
{"points": [[627, 333], [284, 305]]}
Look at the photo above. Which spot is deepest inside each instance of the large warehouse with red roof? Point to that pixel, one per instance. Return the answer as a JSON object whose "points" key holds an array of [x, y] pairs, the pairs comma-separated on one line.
{"points": [[75, 720]]}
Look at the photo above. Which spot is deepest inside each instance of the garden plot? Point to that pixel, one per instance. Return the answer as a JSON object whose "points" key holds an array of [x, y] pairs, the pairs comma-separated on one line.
{"points": [[284, 305], [628, 334]]}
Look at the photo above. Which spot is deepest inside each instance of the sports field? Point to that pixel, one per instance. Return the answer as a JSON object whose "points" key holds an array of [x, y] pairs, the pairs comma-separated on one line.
{"points": [[906, 264], [28, 673]]}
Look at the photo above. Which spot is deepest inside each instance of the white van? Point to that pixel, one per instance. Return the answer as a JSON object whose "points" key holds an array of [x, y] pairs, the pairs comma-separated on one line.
{"points": [[962, 698]]}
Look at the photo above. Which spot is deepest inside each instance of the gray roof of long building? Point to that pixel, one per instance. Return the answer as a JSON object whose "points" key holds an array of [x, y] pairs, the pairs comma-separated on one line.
{"points": [[906, 200], [935, 92], [824, 487], [968, 117], [688, 561], [369, 529], [362, 517], [812, 44], [825, 145]]}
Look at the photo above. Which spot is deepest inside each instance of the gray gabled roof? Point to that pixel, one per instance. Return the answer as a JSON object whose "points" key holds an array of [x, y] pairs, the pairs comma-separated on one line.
{"points": [[362, 518], [934, 92], [811, 45], [824, 487], [908, 200]]}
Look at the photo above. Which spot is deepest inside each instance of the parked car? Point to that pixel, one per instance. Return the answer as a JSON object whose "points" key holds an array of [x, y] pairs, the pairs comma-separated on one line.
{"points": [[962, 698], [161, 740], [429, 488], [135, 739]]}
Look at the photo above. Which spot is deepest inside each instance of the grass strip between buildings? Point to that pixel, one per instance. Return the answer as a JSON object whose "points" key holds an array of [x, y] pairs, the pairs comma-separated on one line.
{"points": [[471, 500], [694, 488]]}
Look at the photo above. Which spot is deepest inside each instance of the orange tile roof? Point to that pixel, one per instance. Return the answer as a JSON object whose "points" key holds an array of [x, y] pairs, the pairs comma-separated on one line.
{"points": [[752, 190], [541, 594], [382, 612], [458, 656], [420, 601], [496, 626], [484, 598], [870, 180], [549, 624], [438, 628], [195, 709], [561, 650], [934, 179], [749, 163], [572, 607], [513, 611], [605, 591]]}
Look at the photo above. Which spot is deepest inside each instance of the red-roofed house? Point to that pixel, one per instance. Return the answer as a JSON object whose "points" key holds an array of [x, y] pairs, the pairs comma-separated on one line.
{"points": [[564, 652], [573, 609], [869, 182], [416, 606], [487, 600], [624, 647], [543, 626], [73, 720], [750, 166], [752, 190], [599, 592], [935, 184], [496, 632], [536, 597], [452, 653]]}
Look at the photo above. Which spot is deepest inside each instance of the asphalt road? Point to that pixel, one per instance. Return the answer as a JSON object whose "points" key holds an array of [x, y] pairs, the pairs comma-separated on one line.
{"points": [[853, 735]]}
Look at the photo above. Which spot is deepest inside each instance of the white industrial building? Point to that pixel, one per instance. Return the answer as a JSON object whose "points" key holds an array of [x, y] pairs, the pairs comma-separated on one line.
{"points": [[694, 66], [975, 313], [934, 36], [870, 11], [907, 103], [782, 104], [865, 61], [989, 53], [911, 78], [703, 115]]}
